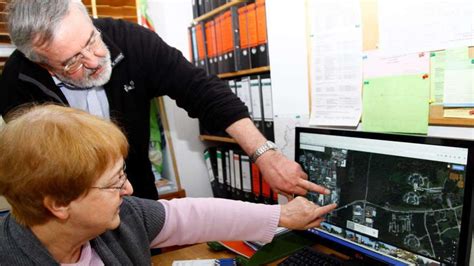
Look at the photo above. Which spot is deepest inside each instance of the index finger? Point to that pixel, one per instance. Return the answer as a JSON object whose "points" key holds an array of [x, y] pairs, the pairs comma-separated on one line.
{"points": [[320, 211], [310, 186]]}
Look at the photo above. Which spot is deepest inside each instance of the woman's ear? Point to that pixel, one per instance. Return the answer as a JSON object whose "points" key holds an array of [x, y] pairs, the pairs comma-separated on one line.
{"points": [[59, 210]]}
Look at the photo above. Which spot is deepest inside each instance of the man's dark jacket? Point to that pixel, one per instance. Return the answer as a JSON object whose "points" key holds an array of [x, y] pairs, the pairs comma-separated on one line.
{"points": [[144, 67]]}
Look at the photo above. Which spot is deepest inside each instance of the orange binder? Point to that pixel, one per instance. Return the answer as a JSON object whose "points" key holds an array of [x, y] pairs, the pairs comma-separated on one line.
{"points": [[253, 34], [209, 46], [262, 51], [256, 183], [219, 43], [244, 53], [201, 47], [266, 192], [228, 42], [239, 247]]}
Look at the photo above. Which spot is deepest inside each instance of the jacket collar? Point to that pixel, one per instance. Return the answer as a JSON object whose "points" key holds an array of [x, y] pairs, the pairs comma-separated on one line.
{"points": [[116, 54]]}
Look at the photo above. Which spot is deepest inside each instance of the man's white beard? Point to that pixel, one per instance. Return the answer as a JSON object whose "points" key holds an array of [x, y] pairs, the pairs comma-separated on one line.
{"points": [[87, 81]]}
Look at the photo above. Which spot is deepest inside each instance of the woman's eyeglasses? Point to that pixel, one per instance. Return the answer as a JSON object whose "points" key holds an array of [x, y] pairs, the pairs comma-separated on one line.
{"points": [[121, 183]]}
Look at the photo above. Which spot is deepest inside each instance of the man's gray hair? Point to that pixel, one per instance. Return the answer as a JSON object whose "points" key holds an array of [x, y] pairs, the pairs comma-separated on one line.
{"points": [[33, 23]]}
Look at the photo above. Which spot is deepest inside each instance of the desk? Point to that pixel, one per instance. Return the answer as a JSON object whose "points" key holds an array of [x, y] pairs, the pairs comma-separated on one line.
{"points": [[202, 251], [198, 251]]}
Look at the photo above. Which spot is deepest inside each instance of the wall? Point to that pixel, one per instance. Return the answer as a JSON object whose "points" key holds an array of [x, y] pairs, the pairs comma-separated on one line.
{"points": [[171, 19]]}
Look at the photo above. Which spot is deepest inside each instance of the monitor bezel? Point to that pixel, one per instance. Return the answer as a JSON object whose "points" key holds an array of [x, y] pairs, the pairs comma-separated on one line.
{"points": [[465, 239]]}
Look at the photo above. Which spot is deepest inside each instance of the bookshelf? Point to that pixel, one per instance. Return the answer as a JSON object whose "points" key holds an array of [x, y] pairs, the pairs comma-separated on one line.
{"points": [[230, 41], [216, 138], [4, 36], [230, 75], [218, 10], [119, 9], [245, 72], [6, 48]]}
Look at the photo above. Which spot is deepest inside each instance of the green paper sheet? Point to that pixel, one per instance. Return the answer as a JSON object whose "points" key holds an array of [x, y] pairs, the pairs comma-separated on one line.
{"points": [[396, 104]]}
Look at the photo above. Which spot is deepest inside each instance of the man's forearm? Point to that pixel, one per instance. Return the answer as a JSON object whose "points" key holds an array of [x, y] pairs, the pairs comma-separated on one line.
{"points": [[283, 175], [247, 135]]}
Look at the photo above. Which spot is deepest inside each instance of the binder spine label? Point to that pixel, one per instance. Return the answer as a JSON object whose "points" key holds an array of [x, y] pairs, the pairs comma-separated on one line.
{"points": [[246, 174], [220, 170], [256, 100], [207, 158], [238, 183], [267, 99], [227, 169]]}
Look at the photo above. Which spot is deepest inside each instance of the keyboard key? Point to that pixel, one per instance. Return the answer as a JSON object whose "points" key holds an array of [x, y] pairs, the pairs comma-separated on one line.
{"points": [[309, 256]]}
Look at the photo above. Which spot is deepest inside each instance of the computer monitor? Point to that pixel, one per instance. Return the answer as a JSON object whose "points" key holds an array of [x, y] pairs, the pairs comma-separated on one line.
{"points": [[401, 199]]}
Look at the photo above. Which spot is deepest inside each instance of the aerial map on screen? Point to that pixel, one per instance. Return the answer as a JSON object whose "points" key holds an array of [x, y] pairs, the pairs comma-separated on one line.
{"points": [[410, 203]]}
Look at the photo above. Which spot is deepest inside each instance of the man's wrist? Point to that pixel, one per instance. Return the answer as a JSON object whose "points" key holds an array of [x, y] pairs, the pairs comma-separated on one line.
{"points": [[267, 146]]}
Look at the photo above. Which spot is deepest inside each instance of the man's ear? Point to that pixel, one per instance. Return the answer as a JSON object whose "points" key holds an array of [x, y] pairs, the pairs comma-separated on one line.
{"points": [[59, 210]]}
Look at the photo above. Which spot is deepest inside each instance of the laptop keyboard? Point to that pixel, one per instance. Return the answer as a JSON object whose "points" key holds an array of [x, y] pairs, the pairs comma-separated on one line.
{"points": [[309, 256]]}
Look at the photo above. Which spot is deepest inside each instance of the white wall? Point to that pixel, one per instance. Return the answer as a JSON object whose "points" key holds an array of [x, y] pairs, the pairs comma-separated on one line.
{"points": [[288, 57], [171, 19]]}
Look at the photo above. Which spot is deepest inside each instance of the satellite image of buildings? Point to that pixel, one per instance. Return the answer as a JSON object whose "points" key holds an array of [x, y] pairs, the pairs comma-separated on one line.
{"points": [[410, 203]]}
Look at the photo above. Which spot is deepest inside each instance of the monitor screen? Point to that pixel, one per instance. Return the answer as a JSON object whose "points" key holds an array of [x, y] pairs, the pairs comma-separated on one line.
{"points": [[401, 199]]}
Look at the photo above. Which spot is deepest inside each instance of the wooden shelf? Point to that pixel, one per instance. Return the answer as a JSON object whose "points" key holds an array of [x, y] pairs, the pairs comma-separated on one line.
{"points": [[3, 26], [251, 71], [116, 2], [5, 39], [216, 138], [117, 11], [133, 19], [217, 10], [181, 193], [437, 118]]}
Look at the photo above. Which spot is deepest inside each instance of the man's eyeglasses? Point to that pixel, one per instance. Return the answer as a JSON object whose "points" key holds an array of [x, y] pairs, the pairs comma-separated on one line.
{"points": [[75, 63], [121, 183]]}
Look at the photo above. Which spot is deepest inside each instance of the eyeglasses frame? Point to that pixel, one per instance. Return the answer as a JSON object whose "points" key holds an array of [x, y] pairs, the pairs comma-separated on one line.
{"points": [[95, 39], [120, 187]]}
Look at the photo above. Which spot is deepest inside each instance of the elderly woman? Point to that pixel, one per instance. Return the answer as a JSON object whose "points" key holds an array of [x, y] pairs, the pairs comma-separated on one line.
{"points": [[63, 172]]}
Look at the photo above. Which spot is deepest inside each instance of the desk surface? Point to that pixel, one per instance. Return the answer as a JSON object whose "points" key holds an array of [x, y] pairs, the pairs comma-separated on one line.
{"points": [[202, 251], [198, 251]]}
